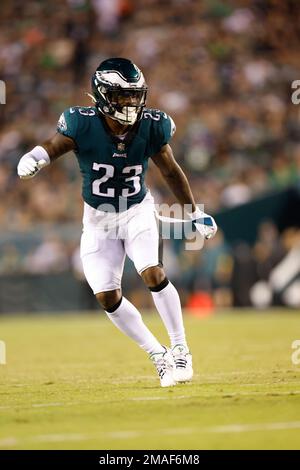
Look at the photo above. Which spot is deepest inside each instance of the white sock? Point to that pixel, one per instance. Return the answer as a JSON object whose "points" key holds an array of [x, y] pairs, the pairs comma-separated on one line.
{"points": [[167, 302], [128, 319]]}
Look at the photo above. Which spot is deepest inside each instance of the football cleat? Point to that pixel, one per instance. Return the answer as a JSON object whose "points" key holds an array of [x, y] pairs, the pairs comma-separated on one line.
{"points": [[183, 368], [165, 366]]}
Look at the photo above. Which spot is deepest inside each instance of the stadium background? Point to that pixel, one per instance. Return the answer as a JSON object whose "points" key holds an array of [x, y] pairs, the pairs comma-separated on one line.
{"points": [[223, 71]]}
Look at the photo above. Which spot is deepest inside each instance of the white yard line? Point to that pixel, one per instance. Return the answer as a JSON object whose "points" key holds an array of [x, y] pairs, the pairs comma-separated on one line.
{"points": [[61, 437], [9, 442], [42, 405], [254, 427], [206, 394], [121, 435], [224, 429], [179, 397]]}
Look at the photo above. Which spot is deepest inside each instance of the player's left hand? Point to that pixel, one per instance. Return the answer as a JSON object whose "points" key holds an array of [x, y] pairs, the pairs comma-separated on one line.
{"points": [[205, 224]]}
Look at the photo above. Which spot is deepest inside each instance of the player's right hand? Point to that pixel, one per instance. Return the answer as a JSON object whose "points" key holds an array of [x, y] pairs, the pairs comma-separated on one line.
{"points": [[204, 223], [29, 167]]}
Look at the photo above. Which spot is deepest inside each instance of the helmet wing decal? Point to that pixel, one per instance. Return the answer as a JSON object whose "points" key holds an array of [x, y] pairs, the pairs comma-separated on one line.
{"points": [[113, 77]]}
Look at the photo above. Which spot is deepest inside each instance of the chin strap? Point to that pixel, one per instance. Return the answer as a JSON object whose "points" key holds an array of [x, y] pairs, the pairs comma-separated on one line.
{"points": [[91, 96]]}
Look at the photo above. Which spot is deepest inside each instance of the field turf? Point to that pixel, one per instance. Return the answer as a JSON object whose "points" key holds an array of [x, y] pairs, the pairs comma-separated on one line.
{"points": [[75, 382]]}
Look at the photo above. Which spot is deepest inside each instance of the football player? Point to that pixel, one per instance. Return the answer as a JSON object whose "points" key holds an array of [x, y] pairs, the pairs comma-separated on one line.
{"points": [[113, 141]]}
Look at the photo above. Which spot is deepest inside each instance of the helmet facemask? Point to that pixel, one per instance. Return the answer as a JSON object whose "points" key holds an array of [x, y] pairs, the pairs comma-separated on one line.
{"points": [[118, 96], [126, 103]]}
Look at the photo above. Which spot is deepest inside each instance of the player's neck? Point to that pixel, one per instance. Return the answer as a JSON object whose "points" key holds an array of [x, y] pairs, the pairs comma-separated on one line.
{"points": [[115, 127]]}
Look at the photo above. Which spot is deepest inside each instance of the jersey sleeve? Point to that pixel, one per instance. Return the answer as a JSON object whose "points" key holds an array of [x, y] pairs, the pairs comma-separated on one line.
{"points": [[162, 132], [68, 123]]}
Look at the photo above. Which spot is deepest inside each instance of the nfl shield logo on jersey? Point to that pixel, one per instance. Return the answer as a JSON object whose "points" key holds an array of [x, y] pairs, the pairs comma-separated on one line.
{"points": [[121, 147]]}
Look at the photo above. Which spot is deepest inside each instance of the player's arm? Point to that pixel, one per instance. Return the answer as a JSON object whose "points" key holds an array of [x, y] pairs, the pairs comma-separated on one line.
{"points": [[179, 185], [58, 145], [174, 176], [42, 155]]}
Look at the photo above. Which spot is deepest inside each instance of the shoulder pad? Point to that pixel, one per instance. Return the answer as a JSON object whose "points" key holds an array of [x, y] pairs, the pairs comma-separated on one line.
{"points": [[162, 128]]}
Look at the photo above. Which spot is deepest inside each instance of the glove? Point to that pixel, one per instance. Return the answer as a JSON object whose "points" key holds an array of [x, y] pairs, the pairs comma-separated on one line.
{"points": [[204, 223], [32, 162]]}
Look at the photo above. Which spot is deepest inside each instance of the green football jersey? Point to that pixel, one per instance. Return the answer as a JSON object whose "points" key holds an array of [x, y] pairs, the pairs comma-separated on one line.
{"points": [[113, 169]]}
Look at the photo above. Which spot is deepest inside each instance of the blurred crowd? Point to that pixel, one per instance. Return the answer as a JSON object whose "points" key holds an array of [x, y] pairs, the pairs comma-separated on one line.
{"points": [[222, 69]]}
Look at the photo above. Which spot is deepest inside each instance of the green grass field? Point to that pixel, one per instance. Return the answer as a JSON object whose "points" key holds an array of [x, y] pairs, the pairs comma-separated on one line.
{"points": [[75, 382]]}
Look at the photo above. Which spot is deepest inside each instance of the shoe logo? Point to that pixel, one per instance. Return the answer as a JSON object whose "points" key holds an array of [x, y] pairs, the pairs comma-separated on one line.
{"points": [[179, 349]]}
